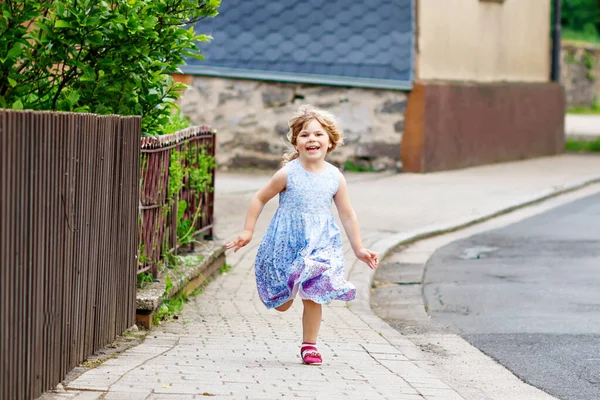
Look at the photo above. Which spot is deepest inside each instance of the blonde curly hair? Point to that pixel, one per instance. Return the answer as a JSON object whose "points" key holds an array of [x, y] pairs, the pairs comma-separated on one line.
{"points": [[303, 116]]}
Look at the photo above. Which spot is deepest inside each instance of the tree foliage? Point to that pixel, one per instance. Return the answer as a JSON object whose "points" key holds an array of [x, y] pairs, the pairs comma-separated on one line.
{"points": [[581, 15], [100, 56]]}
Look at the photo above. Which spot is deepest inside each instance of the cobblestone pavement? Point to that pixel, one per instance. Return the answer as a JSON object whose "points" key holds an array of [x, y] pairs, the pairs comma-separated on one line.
{"points": [[226, 344]]}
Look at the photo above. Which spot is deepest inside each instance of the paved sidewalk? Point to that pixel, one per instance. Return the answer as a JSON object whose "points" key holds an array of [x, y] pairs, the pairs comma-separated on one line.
{"points": [[228, 345], [582, 126]]}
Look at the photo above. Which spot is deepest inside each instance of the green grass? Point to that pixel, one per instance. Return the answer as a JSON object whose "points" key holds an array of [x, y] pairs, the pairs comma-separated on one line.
{"points": [[585, 37], [584, 110], [583, 146], [351, 167], [594, 109]]}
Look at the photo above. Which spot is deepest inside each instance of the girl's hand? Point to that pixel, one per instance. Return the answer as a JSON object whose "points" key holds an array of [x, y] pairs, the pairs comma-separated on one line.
{"points": [[368, 257], [239, 242]]}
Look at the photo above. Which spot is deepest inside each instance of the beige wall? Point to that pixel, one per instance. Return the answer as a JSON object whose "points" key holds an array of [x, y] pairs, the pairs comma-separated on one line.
{"points": [[473, 40]]}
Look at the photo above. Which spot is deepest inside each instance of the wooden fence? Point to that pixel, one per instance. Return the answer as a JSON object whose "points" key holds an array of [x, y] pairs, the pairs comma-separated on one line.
{"points": [[68, 242], [176, 192]]}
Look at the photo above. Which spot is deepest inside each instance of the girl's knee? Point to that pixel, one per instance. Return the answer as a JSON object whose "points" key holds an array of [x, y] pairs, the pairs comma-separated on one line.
{"points": [[285, 306], [310, 303]]}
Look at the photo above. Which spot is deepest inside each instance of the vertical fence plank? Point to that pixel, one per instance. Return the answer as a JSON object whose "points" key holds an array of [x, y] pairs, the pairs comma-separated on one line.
{"points": [[22, 255], [132, 144], [4, 217], [5, 200], [36, 171]]}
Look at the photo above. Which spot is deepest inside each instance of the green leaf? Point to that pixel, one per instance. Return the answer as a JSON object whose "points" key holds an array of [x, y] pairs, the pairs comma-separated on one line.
{"points": [[12, 82], [17, 105], [94, 38], [204, 38], [43, 26], [62, 24], [14, 51], [73, 98], [150, 21], [93, 21], [2, 102], [60, 8]]}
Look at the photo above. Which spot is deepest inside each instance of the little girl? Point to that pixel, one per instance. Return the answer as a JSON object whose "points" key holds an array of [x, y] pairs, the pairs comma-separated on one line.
{"points": [[301, 252]]}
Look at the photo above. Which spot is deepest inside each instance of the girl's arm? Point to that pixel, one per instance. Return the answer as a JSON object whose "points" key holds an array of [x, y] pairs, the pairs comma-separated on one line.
{"points": [[350, 223], [262, 197]]}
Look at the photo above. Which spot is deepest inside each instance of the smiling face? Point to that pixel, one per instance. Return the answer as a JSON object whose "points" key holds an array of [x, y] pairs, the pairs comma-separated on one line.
{"points": [[313, 141]]}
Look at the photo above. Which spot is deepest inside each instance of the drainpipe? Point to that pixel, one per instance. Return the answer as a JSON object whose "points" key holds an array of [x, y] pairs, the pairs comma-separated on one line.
{"points": [[555, 73]]}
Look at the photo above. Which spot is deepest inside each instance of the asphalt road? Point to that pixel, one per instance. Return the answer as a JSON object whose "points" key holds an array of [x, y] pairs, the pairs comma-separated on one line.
{"points": [[528, 295]]}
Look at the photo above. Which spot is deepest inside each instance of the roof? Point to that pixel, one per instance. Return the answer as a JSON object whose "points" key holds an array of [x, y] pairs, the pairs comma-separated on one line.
{"points": [[338, 42]]}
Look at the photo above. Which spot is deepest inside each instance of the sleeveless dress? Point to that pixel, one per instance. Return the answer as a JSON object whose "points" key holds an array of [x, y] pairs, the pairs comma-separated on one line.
{"points": [[301, 251]]}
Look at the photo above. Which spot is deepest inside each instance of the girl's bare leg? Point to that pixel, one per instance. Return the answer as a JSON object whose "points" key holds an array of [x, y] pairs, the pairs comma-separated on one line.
{"points": [[311, 321], [285, 306]]}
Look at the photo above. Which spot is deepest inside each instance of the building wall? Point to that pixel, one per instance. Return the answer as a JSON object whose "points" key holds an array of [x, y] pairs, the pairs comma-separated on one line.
{"points": [[483, 41], [456, 125], [251, 120]]}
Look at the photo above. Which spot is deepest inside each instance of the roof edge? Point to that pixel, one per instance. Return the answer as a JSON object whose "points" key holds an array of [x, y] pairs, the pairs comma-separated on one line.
{"points": [[314, 79]]}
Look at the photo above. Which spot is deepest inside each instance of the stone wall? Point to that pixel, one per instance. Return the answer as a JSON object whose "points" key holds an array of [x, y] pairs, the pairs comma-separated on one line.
{"points": [[580, 73], [251, 120]]}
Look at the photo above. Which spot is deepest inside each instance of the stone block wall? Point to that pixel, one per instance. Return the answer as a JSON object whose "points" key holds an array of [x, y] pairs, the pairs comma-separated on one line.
{"points": [[251, 118], [580, 74]]}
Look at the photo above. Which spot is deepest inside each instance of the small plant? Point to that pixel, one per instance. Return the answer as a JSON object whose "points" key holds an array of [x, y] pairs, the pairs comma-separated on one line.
{"points": [[143, 279], [352, 167], [190, 260], [225, 268], [170, 260], [170, 308]]}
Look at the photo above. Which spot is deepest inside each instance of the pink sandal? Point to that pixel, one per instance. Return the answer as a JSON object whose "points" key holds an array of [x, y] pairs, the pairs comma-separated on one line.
{"points": [[310, 355]]}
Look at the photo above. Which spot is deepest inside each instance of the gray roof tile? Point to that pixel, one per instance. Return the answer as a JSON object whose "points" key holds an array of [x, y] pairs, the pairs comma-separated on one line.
{"points": [[338, 38]]}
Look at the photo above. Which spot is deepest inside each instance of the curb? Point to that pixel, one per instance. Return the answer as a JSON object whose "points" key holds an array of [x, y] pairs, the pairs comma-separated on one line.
{"points": [[184, 279], [582, 137], [363, 277]]}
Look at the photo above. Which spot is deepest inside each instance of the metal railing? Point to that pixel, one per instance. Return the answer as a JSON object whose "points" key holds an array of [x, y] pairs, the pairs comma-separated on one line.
{"points": [[177, 171], [68, 242]]}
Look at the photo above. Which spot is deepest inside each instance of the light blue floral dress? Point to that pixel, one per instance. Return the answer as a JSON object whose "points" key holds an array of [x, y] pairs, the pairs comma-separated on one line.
{"points": [[301, 252]]}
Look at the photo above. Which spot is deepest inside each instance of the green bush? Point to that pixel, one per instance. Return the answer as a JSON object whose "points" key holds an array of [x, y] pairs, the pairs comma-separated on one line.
{"points": [[580, 20], [105, 57], [581, 15]]}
